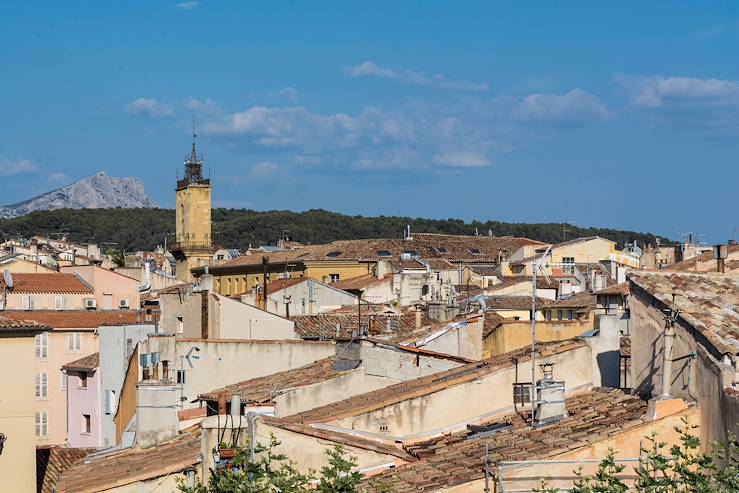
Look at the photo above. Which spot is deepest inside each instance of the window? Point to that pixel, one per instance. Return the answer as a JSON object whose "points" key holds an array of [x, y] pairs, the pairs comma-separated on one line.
{"points": [[220, 256], [559, 314], [42, 424], [107, 301], [42, 345], [412, 253], [334, 278], [82, 381], [180, 325], [180, 376], [60, 303], [129, 347], [74, 342], [26, 302], [42, 385], [333, 254], [85, 424], [441, 250], [570, 315], [548, 314], [475, 251], [383, 253], [569, 267]]}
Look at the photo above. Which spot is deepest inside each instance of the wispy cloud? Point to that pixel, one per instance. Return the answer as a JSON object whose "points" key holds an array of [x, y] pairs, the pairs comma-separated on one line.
{"points": [[187, 5], [57, 177], [149, 107], [203, 107], [263, 170], [369, 68], [16, 167], [708, 104], [289, 93], [575, 108]]}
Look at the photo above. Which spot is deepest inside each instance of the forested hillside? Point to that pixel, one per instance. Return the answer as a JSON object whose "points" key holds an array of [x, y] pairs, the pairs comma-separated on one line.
{"points": [[136, 229]]}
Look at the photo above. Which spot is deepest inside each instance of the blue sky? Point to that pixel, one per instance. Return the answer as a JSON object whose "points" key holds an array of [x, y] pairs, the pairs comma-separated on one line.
{"points": [[618, 114]]}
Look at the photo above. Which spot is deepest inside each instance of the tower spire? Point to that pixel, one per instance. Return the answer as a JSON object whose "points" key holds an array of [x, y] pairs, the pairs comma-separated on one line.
{"points": [[193, 154]]}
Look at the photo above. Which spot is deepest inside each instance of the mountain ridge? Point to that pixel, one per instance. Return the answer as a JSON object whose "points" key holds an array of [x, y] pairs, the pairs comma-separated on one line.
{"points": [[99, 191]]}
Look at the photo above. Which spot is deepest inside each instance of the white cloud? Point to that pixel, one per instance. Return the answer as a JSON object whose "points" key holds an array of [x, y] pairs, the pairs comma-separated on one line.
{"points": [[16, 167], [462, 159], [149, 107], [57, 177], [187, 5], [263, 170], [288, 93], [709, 104], [369, 68], [573, 109], [205, 107]]}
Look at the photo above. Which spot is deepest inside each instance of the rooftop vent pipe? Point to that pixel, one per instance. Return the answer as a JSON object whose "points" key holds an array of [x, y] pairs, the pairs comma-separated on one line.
{"points": [[551, 398]]}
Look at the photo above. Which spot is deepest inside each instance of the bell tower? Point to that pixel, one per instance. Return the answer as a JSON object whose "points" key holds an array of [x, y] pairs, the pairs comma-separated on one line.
{"points": [[193, 245]]}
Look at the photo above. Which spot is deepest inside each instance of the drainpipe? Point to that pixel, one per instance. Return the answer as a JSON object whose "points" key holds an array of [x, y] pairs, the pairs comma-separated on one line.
{"points": [[251, 419], [667, 358]]}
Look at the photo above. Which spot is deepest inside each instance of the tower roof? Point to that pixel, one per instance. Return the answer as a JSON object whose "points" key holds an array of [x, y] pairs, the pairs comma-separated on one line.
{"points": [[193, 167]]}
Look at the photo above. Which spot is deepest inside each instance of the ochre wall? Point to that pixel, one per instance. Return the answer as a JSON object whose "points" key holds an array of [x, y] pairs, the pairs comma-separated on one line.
{"points": [[513, 334], [18, 461]]}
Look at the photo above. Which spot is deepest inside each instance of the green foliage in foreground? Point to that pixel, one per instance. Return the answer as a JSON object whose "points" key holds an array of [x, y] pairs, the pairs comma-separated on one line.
{"points": [[143, 229], [682, 468], [276, 473]]}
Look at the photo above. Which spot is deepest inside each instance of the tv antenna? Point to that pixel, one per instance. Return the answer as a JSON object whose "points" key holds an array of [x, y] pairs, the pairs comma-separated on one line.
{"points": [[535, 267]]}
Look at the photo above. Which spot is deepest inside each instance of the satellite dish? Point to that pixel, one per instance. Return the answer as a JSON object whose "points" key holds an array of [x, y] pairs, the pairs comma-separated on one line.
{"points": [[8, 278]]}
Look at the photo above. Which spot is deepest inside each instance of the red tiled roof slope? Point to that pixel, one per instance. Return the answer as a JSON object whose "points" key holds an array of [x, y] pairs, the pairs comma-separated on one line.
{"points": [[56, 283], [52, 461], [89, 362], [128, 466], [459, 458], [75, 319]]}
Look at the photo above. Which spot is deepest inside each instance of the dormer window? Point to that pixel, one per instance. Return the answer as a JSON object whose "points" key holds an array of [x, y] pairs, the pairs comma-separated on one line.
{"points": [[333, 254]]}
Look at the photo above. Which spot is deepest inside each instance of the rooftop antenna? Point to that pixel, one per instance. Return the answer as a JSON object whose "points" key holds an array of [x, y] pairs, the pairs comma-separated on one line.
{"points": [[8, 278], [536, 266]]}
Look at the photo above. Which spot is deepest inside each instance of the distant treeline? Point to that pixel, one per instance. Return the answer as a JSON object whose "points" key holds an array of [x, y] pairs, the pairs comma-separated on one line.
{"points": [[143, 229]]}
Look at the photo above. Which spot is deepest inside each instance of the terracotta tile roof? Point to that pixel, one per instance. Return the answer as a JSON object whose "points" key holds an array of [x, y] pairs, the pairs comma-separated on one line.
{"points": [[280, 284], [386, 325], [485, 269], [361, 282], [420, 350], [262, 390], [706, 263], [56, 283], [459, 458], [338, 437], [123, 467], [505, 302], [419, 387], [451, 248], [492, 322], [73, 319], [581, 240], [584, 300], [708, 302], [52, 461], [12, 324], [88, 363], [622, 288]]}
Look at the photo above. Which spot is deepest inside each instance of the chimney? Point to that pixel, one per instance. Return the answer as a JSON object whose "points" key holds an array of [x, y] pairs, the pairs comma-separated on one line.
{"points": [[206, 281], [720, 252], [551, 398], [382, 268], [156, 413], [418, 317], [348, 354]]}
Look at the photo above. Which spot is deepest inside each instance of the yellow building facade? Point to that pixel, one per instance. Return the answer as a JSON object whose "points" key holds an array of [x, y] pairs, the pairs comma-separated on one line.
{"points": [[193, 241], [17, 407]]}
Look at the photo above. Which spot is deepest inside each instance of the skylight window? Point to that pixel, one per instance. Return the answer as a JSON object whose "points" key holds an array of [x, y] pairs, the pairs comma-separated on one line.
{"points": [[441, 250], [333, 254], [383, 253], [411, 253], [475, 251]]}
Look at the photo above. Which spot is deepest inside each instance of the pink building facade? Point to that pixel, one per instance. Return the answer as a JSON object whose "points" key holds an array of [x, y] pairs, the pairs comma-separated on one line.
{"points": [[112, 290], [83, 402]]}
